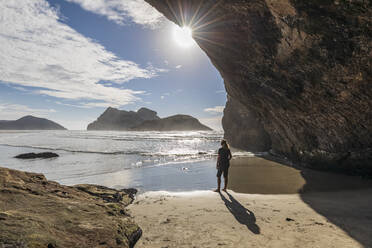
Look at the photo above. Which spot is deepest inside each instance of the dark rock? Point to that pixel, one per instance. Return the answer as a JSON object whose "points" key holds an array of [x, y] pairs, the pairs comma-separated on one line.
{"points": [[87, 218], [173, 123], [30, 123], [302, 68], [37, 155], [147, 114], [121, 120], [144, 120], [289, 219]]}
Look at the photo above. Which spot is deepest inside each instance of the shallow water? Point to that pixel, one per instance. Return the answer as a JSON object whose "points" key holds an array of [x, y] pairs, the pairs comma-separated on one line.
{"points": [[174, 161]]}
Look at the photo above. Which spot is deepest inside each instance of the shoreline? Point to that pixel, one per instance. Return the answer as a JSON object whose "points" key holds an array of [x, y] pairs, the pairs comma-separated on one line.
{"points": [[295, 209], [260, 175], [208, 219]]}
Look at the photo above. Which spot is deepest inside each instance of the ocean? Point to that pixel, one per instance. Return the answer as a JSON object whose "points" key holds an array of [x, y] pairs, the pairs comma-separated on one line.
{"points": [[148, 161]]}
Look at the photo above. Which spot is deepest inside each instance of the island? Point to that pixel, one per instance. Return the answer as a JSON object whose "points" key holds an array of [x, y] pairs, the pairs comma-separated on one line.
{"points": [[121, 120], [173, 123], [144, 120], [30, 122]]}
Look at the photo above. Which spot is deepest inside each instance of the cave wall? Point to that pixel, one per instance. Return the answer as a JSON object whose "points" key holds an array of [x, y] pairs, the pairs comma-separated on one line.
{"points": [[303, 68]]}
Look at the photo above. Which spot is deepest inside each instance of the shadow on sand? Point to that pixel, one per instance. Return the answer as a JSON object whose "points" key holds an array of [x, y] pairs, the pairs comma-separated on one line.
{"points": [[344, 200], [242, 215]]}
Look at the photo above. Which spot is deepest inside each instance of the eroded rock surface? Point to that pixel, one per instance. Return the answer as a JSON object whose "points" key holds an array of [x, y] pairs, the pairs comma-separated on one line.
{"points": [[303, 68], [35, 213]]}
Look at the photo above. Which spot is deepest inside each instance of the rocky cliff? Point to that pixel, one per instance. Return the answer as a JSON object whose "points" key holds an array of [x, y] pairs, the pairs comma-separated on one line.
{"points": [[30, 123], [173, 123], [251, 135], [302, 68], [114, 119], [35, 212]]}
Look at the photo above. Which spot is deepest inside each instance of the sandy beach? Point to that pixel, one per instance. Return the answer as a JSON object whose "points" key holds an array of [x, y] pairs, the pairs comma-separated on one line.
{"points": [[296, 208]]}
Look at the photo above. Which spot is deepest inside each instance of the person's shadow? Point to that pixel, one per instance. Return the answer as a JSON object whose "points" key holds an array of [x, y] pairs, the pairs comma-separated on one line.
{"points": [[242, 215]]}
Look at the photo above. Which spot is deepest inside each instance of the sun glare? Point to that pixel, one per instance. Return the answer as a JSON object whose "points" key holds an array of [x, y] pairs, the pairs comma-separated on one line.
{"points": [[183, 36]]}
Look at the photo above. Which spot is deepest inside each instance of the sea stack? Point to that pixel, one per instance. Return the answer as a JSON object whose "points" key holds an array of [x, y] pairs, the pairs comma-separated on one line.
{"points": [[121, 120]]}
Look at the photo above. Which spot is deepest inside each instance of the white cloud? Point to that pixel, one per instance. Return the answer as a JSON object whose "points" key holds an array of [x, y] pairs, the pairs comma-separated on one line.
{"points": [[178, 66], [216, 109], [123, 11], [37, 50], [162, 97], [16, 111]]}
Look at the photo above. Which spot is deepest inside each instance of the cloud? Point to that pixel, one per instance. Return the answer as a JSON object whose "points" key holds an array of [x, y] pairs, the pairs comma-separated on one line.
{"points": [[216, 109], [37, 50], [16, 111], [124, 11], [162, 97], [178, 66]]}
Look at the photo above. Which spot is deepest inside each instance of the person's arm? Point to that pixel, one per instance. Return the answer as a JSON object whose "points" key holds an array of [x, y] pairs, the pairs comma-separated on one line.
{"points": [[230, 155], [218, 160]]}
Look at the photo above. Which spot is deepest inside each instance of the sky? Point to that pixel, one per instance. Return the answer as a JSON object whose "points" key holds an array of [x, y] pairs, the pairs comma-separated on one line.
{"points": [[68, 60]]}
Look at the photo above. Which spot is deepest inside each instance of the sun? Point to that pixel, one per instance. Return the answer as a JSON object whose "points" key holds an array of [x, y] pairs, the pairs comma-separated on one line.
{"points": [[183, 36]]}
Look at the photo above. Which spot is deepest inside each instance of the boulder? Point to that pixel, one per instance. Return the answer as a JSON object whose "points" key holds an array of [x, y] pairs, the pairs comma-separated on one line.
{"points": [[35, 212], [37, 155]]}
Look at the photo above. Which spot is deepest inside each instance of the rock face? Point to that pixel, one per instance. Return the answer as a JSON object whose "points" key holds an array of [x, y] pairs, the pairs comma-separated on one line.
{"points": [[37, 155], [120, 120], [30, 123], [37, 213], [173, 123], [144, 120], [250, 135], [303, 68]]}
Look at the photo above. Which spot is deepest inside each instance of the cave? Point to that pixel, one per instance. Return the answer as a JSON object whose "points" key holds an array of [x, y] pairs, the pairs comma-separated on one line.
{"points": [[297, 74]]}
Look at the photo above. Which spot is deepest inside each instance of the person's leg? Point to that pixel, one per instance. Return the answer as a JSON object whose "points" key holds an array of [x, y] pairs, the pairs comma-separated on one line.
{"points": [[226, 178], [219, 173], [226, 181]]}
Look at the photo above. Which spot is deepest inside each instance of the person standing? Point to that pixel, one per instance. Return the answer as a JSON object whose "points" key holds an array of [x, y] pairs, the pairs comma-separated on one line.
{"points": [[223, 164]]}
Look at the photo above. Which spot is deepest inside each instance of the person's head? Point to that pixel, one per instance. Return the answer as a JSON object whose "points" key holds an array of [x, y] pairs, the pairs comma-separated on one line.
{"points": [[224, 144]]}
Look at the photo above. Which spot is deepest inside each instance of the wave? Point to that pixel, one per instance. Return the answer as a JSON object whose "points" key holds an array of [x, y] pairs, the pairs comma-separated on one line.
{"points": [[133, 152], [74, 151]]}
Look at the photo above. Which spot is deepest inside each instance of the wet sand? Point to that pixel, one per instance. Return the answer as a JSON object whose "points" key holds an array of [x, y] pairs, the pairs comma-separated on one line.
{"points": [[256, 175], [269, 216]]}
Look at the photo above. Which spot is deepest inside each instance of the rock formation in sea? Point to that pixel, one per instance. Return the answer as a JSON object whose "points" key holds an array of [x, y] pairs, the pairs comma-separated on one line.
{"points": [[173, 123], [30, 123], [144, 120], [33, 155], [120, 120], [301, 68], [35, 212]]}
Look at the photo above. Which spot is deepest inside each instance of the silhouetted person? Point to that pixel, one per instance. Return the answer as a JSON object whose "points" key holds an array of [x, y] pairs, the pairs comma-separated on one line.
{"points": [[223, 164]]}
